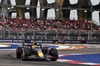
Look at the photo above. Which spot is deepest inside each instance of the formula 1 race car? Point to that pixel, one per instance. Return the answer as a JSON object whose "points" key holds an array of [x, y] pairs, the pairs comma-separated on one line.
{"points": [[36, 51]]}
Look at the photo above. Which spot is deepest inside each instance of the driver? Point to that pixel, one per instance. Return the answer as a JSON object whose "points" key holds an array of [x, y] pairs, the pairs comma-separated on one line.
{"points": [[34, 44]]}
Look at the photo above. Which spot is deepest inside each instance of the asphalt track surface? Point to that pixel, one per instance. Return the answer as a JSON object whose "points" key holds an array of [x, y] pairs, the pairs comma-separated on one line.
{"points": [[8, 58]]}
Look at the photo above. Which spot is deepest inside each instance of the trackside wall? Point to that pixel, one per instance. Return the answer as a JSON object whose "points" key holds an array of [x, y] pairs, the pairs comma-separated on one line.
{"points": [[51, 41]]}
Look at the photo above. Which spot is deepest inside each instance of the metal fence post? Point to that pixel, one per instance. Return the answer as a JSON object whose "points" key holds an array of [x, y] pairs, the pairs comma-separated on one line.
{"points": [[79, 34], [45, 34], [57, 34], [1, 32], [9, 33], [34, 33], [89, 35], [68, 34]]}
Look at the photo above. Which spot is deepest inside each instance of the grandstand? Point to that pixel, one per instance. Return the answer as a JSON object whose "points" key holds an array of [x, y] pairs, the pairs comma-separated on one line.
{"points": [[19, 20]]}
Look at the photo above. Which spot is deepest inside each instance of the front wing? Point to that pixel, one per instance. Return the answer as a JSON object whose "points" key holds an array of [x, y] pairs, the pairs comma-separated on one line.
{"points": [[37, 57]]}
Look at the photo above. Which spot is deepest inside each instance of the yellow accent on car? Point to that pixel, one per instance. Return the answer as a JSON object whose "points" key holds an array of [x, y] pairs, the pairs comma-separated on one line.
{"points": [[40, 55], [33, 46]]}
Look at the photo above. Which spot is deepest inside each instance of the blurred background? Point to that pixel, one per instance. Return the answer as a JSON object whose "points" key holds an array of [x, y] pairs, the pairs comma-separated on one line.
{"points": [[50, 19]]}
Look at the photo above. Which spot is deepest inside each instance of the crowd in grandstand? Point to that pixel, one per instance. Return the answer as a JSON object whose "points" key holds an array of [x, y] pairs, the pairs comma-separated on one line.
{"points": [[17, 24]]}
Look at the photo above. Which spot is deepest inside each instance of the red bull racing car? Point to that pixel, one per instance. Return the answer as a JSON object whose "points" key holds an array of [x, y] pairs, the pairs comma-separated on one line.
{"points": [[36, 51]]}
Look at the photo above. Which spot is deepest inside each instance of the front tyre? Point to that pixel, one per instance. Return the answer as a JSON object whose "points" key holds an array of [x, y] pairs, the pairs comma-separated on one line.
{"points": [[53, 52]]}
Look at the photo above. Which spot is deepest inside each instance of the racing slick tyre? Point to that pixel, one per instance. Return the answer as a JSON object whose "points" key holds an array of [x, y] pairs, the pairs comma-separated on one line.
{"points": [[18, 52], [45, 50], [53, 52], [25, 53]]}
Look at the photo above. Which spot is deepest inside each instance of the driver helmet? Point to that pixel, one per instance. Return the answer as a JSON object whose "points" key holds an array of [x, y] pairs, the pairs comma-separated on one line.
{"points": [[35, 43]]}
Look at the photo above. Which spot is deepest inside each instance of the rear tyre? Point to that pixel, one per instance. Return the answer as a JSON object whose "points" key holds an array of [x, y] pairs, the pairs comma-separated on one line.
{"points": [[53, 52], [25, 53], [45, 50], [18, 52]]}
